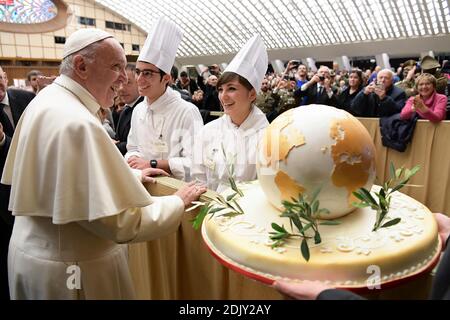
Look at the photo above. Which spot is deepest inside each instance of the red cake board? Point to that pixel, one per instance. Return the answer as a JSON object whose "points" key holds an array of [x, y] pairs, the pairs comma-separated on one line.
{"points": [[266, 279]]}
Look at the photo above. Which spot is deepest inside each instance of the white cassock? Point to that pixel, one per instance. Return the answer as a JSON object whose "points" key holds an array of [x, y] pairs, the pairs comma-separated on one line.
{"points": [[76, 202], [164, 130], [210, 165]]}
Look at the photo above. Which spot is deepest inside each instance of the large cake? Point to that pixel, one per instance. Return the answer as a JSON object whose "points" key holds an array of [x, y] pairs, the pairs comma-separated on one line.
{"points": [[322, 147]]}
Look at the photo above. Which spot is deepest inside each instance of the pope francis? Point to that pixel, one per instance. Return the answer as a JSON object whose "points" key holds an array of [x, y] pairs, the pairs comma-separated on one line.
{"points": [[75, 199]]}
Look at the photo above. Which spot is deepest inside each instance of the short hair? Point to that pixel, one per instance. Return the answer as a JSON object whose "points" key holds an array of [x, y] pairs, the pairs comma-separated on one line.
{"points": [[230, 76], [33, 73], [389, 71], [183, 74], [425, 76]]}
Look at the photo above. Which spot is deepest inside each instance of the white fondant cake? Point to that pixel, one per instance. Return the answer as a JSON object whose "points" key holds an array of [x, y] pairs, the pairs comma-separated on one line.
{"points": [[349, 253]]}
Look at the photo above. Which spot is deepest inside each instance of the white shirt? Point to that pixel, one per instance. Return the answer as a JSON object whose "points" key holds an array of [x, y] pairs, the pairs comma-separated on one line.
{"points": [[164, 130], [239, 143]]}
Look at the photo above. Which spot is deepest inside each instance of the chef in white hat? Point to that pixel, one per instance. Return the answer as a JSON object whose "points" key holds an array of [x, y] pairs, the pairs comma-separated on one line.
{"points": [[163, 125], [233, 138], [75, 199]]}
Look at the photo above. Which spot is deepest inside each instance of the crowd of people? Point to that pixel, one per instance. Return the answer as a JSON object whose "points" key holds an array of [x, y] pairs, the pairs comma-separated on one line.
{"points": [[73, 166]]}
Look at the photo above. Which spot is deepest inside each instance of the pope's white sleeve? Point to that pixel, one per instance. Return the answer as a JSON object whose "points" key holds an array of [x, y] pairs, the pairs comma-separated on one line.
{"points": [[132, 140], [159, 219]]}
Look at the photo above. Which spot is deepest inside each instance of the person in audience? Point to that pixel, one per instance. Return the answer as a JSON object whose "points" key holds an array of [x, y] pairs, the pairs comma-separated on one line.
{"points": [[185, 94], [129, 95], [355, 84], [106, 121], [231, 140], [380, 98], [302, 78], [75, 199], [428, 104], [185, 83], [197, 98], [163, 125], [284, 92], [12, 104], [430, 65], [32, 77], [267, 101], [408, 82], [319, 89], [309, 290]]}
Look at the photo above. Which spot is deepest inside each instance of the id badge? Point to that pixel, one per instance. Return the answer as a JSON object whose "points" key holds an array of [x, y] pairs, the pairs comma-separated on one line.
{"points": [[160, 146]]}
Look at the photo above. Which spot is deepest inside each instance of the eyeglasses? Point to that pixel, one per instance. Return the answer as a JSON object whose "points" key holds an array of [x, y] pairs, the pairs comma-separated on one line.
{"points": [[146, 73]]}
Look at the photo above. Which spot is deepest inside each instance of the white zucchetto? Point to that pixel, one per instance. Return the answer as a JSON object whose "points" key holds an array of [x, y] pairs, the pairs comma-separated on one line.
{"points": [[251, 62], [160, 47], [82, 38]]}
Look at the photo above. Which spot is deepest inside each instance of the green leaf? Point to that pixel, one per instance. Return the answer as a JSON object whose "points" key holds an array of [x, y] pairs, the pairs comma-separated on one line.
{"points": [[367, 196], [391, 223], [392, 171], [197, 221], [214, 210], [231, 196], [399, 173], [315, 194], [278, 228], [305, 249], [239, 207], [306, 227], [330, 223], [358, 195], [317, 238], [360, 205], [315, 206], [323, 210]]}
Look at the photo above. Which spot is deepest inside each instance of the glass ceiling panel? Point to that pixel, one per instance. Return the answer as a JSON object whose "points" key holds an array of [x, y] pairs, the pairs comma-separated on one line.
{"points": [[216, 27]]}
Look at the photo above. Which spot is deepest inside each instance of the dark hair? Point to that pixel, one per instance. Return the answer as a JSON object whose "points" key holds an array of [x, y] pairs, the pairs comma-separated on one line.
{"points": [[359, 74], [230, 76], [174, 73], [33, 73], [183, 74]]}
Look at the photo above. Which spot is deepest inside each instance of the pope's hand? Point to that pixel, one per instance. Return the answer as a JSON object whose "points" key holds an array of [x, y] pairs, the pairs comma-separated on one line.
{"points": [[190, 192], [147, 174]]}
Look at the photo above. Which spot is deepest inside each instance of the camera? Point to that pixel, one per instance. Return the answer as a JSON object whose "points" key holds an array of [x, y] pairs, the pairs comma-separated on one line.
{"points": [[321, 78], [286, 77], [295, 63]]}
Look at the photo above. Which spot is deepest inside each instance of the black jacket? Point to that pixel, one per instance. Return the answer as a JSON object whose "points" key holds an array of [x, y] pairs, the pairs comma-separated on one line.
{"points": [[397, 133], [123, 126], [314, 98], [371, 106]]}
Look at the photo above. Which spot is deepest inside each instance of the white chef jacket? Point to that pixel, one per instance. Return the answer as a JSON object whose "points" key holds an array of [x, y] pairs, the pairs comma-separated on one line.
{"points": [[164, 130], [239, 143]]}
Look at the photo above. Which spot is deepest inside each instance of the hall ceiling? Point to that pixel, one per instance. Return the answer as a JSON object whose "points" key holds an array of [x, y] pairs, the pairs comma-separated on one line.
{"points": [[221, 27]]}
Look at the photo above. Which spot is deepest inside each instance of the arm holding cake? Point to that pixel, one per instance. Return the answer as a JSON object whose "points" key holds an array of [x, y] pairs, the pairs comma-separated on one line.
{"points": [[310, 290]]}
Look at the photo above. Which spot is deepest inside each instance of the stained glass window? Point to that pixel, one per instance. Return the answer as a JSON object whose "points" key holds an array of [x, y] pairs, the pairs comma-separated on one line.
{"points": [[27, 11]]}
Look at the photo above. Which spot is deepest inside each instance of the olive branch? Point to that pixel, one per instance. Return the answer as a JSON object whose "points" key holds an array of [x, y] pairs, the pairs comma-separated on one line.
{"points": [[303, 215], [219, 203], [398, 179]]}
